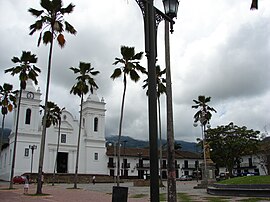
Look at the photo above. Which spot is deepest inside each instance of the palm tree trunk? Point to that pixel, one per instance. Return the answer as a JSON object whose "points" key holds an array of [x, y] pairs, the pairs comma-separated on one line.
{"points": [[120, 131], [170, 131], [78, 147], [43, 136], [2, 132], [160, 142], [57, 149], [15, 141]]}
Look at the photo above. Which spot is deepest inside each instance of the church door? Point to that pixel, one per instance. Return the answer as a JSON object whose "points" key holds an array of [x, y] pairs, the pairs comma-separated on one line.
{"points": [[62, 162]]}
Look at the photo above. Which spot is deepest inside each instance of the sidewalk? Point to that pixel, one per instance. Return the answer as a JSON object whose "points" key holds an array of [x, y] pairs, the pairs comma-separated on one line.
{"points": [[95, 193]]}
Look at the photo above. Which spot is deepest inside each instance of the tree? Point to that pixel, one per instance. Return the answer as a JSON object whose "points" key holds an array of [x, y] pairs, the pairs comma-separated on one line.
{"points": [[130, 64], [254, 5], [229, 143], [203, 115], [52, 19], [81, 88], [53, 118], [58, 113], [161, 88], [26, 70], [7, 103]]}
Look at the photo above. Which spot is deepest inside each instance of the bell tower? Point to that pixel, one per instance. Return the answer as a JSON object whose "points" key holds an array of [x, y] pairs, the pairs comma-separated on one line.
{"points": [[29, 120], [94, 117]]}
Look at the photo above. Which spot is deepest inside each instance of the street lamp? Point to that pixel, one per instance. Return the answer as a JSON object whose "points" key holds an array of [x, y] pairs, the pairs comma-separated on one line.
{"points": [[152, 17], [32, 147]]}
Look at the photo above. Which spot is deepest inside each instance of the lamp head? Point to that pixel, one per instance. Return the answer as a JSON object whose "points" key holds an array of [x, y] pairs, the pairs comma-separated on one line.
{"points": [[171, 8]]}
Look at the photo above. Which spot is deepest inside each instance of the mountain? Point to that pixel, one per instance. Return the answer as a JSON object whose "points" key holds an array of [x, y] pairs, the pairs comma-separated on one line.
{"points": [[131, 142]]}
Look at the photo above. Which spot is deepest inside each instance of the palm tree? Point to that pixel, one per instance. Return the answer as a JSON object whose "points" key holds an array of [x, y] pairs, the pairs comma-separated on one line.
{"points": [[161, 88], [254, 5], [26, 70], [203, 115], [84, 80], [7, 103], [53, 118], [130, 62], [52, 19]]}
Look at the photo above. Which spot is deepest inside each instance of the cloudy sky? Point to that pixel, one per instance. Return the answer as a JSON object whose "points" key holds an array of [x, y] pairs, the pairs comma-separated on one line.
{"points": [[219, 49]]}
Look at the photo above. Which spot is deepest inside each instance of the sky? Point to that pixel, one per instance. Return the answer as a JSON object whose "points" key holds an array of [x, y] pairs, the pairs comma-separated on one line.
{"points": [[219, 49]]}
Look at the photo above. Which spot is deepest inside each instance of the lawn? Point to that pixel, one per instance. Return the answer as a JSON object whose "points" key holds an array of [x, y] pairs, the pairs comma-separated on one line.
{"points": [[247, 180]]}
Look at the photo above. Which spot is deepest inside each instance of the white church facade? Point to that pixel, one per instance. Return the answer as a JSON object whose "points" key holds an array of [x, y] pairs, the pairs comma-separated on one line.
{"points": [[94, 157]]}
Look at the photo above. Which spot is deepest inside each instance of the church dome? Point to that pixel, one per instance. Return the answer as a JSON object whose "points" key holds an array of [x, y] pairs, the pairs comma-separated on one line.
{"points": [[93, 96], [30, 86]]}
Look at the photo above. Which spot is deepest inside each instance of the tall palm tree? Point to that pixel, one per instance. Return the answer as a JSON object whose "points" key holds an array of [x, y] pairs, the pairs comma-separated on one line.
{"points": [[7, 103], [203, 115], [52, 19], [26, 70], [254, 5], [130, 64], [58, 113], [81, 88], [54, 118], [161, 88]]}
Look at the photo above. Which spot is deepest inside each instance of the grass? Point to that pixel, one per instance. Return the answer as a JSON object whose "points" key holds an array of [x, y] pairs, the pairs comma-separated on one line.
{"points": [[217, 199], [247, 180], [184, 197], [162, 197], [254, 199], [138, 196]]}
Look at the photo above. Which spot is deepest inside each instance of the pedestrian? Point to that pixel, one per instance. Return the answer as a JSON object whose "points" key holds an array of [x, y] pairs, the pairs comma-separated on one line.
{"points": [[26, 185], [94, 179]]}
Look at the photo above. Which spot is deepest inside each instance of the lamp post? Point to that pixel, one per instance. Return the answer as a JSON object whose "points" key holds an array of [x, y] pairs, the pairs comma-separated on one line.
{"points": [[152, 17], [32, 147]]}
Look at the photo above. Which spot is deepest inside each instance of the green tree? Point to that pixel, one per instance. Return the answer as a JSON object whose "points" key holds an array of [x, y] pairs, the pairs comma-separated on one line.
{"points": [[50, 18], [81, 88], [7, 103], [130, 64], [26, 70], [161, 89], [230, 142]]}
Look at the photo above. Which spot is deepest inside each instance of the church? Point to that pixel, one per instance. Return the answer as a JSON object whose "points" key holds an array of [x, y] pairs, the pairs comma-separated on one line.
{"points": [[92, 156], [95, 157]]}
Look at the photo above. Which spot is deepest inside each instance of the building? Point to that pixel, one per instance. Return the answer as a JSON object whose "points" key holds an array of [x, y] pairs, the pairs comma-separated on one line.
{"points": [[94, 157]]}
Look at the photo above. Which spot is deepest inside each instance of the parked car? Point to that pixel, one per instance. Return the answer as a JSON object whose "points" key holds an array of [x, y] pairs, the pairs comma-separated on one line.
{"points": [[19, 179], [185, 178]]}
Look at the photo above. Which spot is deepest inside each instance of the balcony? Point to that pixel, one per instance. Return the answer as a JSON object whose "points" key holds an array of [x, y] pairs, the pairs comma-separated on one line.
{"points": [[125, 165], [246, 165], [144, 166], [189, 166], [111, 165]]}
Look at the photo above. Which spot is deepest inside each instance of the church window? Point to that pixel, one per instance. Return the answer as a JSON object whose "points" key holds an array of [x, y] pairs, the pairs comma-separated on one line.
{"points": [[83, 122], [28, 116], [96, 156], [26, 152], [96, 124], [63, 138]]}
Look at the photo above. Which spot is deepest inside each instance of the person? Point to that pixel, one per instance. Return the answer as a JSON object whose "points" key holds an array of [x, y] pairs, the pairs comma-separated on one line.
{"points": [[26, 185], [94, 179], [42, 178]]}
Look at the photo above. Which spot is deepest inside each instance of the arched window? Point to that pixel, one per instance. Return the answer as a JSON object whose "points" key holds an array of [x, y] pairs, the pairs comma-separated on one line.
{"points": [[96, 124], [28, 116]]}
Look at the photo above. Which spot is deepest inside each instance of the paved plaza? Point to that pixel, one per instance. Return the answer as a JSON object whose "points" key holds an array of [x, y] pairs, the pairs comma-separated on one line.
{"points": [[100, 192]]}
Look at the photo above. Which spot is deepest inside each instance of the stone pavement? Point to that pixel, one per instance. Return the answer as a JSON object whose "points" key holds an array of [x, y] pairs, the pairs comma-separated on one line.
{"points": [[100, 192]]}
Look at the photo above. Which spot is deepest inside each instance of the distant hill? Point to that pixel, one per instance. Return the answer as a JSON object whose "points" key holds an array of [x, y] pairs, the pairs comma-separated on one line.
{"points": [[131, 142]]}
